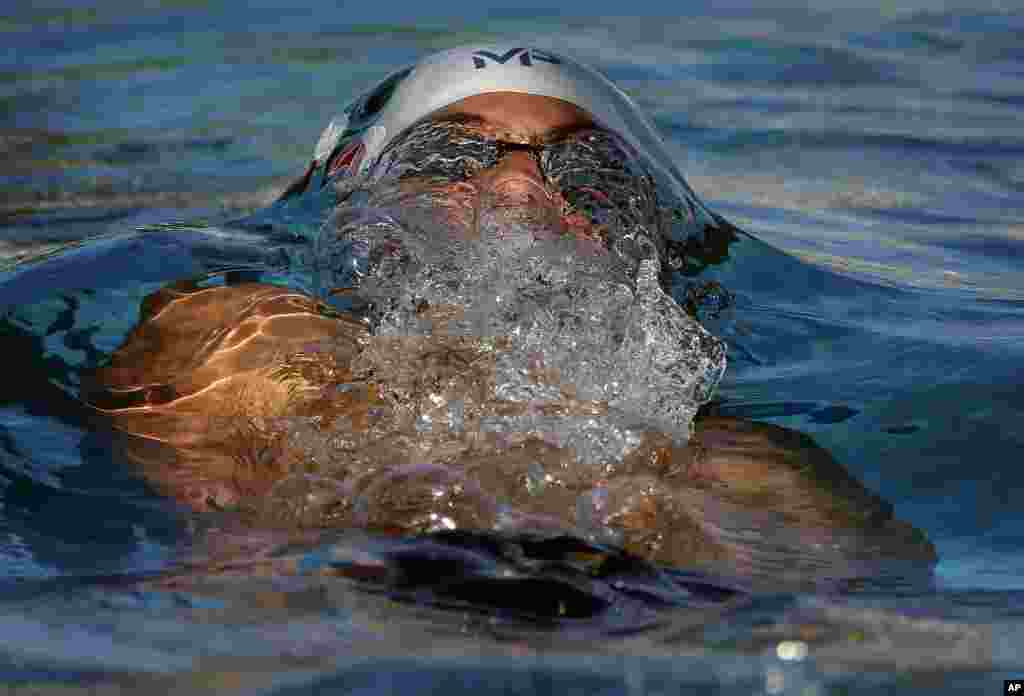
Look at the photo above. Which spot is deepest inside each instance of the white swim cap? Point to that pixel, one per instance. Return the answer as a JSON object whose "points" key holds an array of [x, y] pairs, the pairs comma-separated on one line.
{"points": [[372, 121]]}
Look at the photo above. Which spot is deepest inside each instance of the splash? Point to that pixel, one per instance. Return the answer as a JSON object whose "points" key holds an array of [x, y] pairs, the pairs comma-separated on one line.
{"points": [[519, 366], [565, 321]]}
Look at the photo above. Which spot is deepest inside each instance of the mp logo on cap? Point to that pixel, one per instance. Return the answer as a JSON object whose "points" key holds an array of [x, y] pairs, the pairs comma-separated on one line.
{"points": [[526, 57]]}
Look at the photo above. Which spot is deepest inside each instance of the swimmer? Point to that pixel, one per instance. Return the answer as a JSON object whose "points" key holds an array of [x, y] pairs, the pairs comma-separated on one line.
{"points": [[494, 346]]}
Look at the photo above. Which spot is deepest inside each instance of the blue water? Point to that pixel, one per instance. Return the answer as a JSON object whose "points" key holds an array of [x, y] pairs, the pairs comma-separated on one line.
{"points": [[873, 153]]}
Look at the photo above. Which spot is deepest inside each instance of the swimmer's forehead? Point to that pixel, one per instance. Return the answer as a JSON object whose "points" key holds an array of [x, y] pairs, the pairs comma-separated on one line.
{"points": [[524, 115], [478, 73]]}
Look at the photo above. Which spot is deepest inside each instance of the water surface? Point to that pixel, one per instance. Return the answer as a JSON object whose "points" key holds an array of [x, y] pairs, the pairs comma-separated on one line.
{"points": [[874, 155]]}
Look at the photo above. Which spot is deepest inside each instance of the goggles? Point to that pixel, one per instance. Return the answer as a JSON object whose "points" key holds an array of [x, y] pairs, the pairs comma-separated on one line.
{"points": [[595, 171]]}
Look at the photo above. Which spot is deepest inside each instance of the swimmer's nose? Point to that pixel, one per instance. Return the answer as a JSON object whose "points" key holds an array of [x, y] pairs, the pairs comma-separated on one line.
{"points": [[516, 179]]}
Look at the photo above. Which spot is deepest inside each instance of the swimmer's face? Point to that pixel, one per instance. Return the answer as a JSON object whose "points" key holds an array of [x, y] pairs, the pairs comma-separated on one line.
{"points": [[521, 158]]}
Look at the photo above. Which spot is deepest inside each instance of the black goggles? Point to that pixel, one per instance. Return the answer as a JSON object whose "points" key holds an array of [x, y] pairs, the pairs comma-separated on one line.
{"points": [[454, 150], [596, 172]]}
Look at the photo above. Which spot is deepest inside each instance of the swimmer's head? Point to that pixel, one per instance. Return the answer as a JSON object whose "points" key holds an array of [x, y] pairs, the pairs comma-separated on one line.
{"points": [[535, 131]]}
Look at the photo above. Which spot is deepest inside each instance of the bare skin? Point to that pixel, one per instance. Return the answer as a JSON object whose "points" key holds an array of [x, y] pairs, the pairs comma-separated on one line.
{"points": [[514, 115], [206, 383], [524, 118], [515, 184]]}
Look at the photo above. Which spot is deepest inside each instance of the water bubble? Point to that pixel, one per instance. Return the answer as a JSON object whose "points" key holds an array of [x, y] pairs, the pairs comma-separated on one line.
{"points": [[791, 650], [590, 507], [440, 522], [536, 478], [456, 415]]}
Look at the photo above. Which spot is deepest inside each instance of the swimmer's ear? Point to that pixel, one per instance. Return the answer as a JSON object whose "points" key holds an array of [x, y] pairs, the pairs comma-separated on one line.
{"points": [[299, 186]]}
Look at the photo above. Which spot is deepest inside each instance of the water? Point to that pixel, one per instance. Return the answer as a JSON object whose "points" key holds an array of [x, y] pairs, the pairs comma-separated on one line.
{"points": [[873, 154]]}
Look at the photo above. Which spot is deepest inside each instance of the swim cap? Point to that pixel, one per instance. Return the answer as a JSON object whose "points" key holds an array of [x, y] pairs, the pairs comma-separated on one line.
{"points": [[371, 122]]}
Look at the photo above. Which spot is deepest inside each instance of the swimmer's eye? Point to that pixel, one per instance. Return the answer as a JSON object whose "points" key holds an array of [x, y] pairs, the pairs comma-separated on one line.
{"points": [[599, 176], [591, 168], [435, 150]]}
